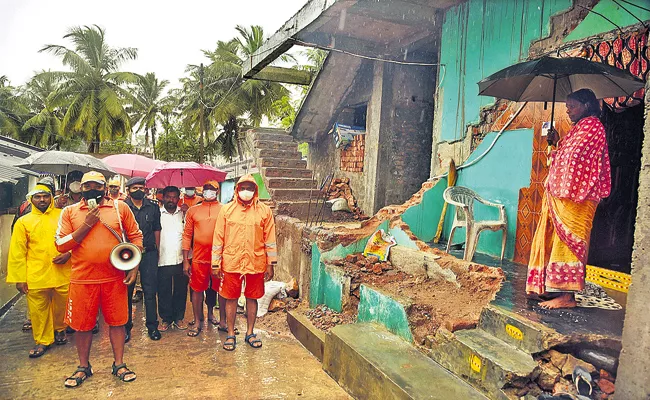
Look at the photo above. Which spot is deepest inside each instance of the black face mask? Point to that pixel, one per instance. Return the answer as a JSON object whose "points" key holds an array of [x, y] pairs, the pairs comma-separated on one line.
{"points": [[137, 195], [92, 194]]}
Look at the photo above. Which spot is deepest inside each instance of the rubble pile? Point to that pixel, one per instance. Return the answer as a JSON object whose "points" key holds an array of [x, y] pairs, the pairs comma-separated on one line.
{"points": [[363, 269], [324, 318], [340, 189], [555, 376]]}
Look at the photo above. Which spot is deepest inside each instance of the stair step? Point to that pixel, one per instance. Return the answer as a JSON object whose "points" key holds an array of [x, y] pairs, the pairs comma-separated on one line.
{"points": [[290, 183], [522, 333], [312, 338], [285, 154], [372, 363], [286, 173], [274, 145], [272, 136], [302, 209], [294, 194], [484, 361], [271, 162]]}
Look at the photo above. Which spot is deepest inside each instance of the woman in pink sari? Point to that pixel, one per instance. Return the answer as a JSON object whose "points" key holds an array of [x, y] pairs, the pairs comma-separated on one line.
{"points": [[579, 177]]}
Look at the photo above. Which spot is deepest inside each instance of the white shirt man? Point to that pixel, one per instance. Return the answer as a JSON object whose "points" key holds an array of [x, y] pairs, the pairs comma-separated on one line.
{"points": [[172, 283]]}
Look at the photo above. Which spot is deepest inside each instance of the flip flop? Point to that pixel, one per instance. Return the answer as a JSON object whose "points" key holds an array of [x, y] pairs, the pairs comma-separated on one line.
{"points": [[213, 321], [252, 343], [27, 326], [233, 344], [194, 332], [221, 329], [60, 338], [582, 380], [193, 322], [38, 351]]}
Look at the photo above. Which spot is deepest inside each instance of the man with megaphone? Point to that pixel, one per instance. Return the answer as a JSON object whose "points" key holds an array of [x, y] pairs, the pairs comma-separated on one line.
{"points": [[93, 229]]}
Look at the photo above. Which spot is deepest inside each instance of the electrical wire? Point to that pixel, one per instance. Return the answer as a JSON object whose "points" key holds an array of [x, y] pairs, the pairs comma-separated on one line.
{"points": [[601, 15], [629, 12], [635, 5]]}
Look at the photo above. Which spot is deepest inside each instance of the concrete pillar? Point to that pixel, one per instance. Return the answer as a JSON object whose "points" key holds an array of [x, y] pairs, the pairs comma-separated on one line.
{"points": [[633, 378], [373, 138]]}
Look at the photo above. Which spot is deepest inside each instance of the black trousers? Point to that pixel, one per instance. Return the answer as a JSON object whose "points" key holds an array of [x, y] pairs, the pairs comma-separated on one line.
{"points": [[149, 280], [172, 293]]}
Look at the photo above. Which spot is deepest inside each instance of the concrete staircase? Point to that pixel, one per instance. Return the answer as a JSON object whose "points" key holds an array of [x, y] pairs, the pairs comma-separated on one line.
{"points": [[285, 174], [496, 357]]}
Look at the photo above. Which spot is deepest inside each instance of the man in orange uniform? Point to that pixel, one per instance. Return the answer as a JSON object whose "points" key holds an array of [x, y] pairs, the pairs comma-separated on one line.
{"points": [[198, 233], [189, 199], [94, 281], [245, 251]]}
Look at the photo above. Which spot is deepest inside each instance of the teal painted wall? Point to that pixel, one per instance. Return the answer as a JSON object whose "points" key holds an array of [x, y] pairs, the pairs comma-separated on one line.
{"points": [[481, 37], [423, 218], [594, 24], [497, 178], [375, 306]]}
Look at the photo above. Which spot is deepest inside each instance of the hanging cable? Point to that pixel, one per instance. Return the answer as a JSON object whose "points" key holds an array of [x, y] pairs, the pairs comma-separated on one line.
{"points": [[601, 15], [629, 12], [635, 5]]}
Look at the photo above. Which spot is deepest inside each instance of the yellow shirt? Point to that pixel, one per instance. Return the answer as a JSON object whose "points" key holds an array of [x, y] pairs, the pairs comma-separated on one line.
{"points": [[32, 249]]}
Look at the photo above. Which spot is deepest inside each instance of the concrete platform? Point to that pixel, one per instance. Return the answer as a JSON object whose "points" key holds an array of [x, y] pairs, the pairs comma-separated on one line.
{"points": [[372, 363], [312, 338]]}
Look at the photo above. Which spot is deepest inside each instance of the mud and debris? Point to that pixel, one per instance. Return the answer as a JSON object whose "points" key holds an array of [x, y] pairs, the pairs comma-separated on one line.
{"points": [[340, 189], [434, 303], [275, 320], [324, 318]]}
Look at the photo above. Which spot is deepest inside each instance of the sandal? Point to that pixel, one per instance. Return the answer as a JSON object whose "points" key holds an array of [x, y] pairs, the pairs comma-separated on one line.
{"points": [[213, 321], [38, 350], [231, 345], [123, 376], [252, 343], [193, 322], [27, 326], [221, 329], [194, 332], [60, 338], [87, 371]]}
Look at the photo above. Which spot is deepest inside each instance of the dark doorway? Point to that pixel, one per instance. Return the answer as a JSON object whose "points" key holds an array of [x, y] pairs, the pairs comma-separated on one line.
{"points": [[612, 236]]}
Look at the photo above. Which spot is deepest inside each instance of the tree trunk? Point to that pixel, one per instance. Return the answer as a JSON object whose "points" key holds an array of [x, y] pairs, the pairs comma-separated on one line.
{"points": [[153, 139], [239, 149]]}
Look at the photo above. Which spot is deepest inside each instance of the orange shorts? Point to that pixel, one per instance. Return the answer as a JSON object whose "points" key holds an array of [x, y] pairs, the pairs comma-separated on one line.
{"points": [[200, 277], [231, 285], [84, 302]]}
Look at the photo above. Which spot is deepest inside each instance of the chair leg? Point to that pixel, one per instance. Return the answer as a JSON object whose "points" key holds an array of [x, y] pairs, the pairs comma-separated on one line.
{"points": [[451, 236], [470, 244], [503, 242]]}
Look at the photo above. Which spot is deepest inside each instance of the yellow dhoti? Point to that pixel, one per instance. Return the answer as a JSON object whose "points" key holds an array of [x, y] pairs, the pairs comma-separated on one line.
{"points": [[47, 309]]}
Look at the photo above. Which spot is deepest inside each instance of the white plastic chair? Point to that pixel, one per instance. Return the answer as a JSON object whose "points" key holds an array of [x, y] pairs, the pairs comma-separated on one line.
{"points": [[463, 199]]}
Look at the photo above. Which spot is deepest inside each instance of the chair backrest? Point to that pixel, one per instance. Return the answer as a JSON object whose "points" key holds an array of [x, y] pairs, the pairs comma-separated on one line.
{"points": [[461, 195]]}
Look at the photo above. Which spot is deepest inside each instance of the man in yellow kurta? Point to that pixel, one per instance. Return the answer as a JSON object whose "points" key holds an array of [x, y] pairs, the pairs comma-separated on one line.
{"points": [[39, 270]]}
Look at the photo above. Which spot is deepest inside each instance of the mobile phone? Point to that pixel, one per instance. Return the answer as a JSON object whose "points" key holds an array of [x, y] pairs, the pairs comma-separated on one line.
{"points": [[92, 203]]}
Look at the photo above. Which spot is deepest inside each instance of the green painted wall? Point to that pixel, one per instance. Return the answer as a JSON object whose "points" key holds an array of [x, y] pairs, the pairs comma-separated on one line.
{"points": [[375, 306], [402, 238], [423, 218], [481, 37], [594, 24], [497, 178]]}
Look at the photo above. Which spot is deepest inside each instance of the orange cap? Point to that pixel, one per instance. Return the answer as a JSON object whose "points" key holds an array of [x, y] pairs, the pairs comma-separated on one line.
{"points": [[93, 176], [213, 183]]}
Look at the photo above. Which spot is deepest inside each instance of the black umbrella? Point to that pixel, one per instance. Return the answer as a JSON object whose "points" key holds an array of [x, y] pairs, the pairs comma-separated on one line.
{"points": [[552, 79]]}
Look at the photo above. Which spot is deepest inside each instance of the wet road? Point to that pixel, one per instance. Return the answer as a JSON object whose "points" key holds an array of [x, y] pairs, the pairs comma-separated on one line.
{"points": [[176, 366]]}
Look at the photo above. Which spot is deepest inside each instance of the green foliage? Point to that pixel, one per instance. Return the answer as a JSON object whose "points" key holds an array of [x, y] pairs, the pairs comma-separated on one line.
{"points": [[303, 148], [147, 107], [174, 145], [119, 146], [93, 91]]}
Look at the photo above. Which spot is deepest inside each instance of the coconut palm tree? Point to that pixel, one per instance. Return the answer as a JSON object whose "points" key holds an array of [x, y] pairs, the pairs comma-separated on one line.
{"points": [[148, 106], [44, 127], [94, 88], [13, 109]]}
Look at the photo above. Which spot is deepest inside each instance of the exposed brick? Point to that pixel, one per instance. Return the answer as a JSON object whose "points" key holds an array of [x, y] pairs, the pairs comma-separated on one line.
{"points": [[353, 155]]}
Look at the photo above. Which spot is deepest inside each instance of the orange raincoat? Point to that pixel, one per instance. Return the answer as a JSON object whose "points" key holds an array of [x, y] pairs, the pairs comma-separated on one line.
{"points": [[244, 236]]}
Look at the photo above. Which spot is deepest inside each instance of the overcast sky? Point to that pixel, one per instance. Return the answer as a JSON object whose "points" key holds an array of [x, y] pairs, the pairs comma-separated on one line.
{"points": [[168, 34]]}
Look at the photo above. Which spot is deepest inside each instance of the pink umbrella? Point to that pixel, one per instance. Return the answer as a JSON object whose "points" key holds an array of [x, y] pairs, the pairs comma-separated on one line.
{"points": [[132, 164], [183, 174]]}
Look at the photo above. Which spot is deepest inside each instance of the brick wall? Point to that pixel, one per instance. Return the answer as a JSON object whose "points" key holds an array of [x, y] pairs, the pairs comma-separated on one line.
{"points": [[352, 155]]}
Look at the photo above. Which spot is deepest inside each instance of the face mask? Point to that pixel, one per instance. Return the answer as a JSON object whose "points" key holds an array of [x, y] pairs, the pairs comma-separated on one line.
{"points": [[246, 195], [209, 194], [189, 192], [92, 194], [137, 195]]}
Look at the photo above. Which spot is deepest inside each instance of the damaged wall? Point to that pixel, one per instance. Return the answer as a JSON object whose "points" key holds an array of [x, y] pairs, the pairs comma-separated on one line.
{"points": [[474, 34]]}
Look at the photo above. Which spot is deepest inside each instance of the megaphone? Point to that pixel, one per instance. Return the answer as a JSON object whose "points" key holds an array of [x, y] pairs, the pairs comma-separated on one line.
{"points": [[125, 256]]}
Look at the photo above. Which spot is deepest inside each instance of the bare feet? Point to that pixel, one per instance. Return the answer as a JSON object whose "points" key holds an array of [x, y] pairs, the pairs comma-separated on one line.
{"points": [[566, 300]]}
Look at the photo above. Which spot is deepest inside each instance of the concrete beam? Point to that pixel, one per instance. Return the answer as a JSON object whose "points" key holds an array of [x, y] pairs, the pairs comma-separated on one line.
{"points": [[279, 43], [397, 12], [284, 75], [632, 379]]}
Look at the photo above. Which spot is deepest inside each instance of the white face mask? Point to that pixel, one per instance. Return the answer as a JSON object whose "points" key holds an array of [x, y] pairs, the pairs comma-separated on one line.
{"points": [[189, 192], [209, 194], [246, 195]]}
